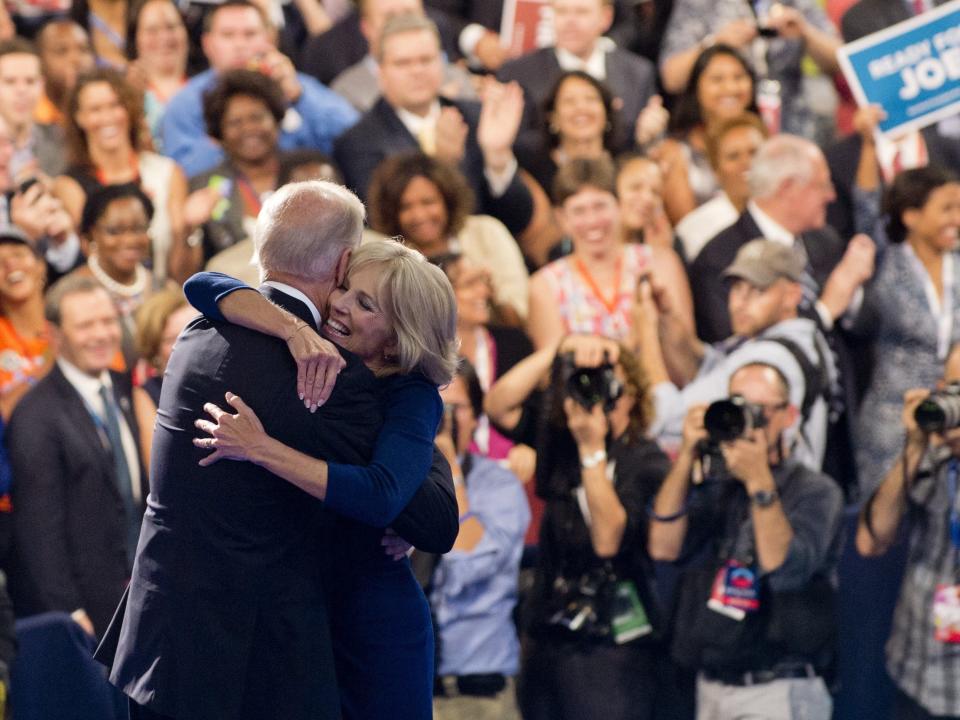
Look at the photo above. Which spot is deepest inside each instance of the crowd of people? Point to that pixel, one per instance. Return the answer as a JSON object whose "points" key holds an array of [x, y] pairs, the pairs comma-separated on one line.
{"points": [[699, 300]]}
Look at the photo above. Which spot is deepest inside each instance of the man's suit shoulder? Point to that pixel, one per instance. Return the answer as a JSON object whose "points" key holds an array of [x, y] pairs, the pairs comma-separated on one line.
{"points": [[532, 67]]}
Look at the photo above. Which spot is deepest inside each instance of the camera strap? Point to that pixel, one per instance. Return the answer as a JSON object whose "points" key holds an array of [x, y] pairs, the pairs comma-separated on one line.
{"points": [[953, 470]]}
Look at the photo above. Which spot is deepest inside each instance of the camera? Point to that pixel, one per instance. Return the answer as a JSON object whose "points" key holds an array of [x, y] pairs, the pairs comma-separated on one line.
{"points": [[591, 386], [733, 418], [940, 410]]}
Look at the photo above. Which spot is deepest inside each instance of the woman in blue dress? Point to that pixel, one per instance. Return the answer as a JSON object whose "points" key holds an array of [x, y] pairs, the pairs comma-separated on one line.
{"points": [[397, 313], [911, 310]]}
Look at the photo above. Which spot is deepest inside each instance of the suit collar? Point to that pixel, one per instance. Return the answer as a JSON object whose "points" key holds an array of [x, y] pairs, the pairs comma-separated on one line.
{"points": [[293, 300]]}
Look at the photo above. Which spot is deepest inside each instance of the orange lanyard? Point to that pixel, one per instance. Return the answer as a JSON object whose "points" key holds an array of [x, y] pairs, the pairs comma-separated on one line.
{"points": [[610, 306]]}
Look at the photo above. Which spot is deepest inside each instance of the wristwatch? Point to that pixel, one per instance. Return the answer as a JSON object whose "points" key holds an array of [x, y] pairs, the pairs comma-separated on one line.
{"points": [[764, 498]]}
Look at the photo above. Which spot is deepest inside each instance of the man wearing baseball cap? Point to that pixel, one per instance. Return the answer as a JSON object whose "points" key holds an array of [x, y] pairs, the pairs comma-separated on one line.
{"points": [[764, 296]]}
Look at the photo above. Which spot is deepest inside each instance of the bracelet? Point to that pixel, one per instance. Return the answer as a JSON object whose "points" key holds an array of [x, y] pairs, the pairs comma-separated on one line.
{"points": [[195, 238], [667, 518], [297, 327], [593, 460], [466, 516]]}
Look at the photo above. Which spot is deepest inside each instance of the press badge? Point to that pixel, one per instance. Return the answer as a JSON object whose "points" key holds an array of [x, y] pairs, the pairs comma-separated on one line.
{"points": [[629, 620], [946, 613], [735, 591]]}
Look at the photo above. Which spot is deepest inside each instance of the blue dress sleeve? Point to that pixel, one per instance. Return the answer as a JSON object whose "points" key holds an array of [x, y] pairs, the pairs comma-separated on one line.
{"points": [[205, 289], [375, 494]]}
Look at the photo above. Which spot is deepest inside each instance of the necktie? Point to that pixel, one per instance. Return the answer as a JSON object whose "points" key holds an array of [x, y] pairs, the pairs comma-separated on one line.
{"points": [[811, 288], [111, 421]]}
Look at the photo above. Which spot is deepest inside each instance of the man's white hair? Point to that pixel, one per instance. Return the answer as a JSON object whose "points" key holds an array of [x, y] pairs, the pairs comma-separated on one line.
{"points": [[304, 227], [781, 158]]}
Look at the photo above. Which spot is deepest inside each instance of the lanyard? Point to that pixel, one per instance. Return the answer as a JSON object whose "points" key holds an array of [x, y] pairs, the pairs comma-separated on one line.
{"points": [[610, 305]]}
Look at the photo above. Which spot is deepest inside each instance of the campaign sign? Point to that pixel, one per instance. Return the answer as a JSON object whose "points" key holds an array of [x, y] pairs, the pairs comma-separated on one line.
{"points": [[911, 69], [526, 25]]}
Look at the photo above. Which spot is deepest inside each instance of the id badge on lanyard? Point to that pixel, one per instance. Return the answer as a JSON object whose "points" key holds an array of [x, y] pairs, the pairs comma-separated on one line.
{"points": [[946, 599]]}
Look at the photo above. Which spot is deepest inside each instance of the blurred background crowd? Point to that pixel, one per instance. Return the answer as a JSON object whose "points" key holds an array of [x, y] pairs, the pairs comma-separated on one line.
{"points": [[593, 197]]}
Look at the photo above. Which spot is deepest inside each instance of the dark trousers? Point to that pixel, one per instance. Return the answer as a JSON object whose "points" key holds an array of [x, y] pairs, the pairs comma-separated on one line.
{"points": [[139, 712], [570, 681], [906, 708]]}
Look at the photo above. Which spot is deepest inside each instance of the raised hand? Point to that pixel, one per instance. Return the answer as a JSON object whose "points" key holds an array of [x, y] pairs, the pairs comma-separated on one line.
{"points": [[232, 437]]}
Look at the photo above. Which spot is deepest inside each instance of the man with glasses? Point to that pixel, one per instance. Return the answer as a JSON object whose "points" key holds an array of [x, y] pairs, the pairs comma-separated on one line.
{"points": [[763, 301], [757, 620]]}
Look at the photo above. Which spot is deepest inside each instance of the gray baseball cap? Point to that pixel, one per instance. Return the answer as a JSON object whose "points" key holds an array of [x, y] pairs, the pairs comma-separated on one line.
{"points": [[762, 262]]}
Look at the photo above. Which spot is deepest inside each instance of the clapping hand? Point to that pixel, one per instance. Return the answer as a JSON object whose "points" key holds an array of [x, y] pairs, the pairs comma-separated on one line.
{"points": [[232, 437], [651, 122], [451, 137], [500, 115]]}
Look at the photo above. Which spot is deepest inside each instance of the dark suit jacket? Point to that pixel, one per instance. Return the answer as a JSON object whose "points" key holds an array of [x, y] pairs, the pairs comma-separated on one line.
{"points": [[631, 78], [824, 249], [380, 133], [844, 157], [327, 55], [70, 527], [225, 615]]}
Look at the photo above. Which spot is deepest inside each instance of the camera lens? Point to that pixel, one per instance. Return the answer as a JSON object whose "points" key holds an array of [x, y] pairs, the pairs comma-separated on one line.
{"points": [[725, 420]]}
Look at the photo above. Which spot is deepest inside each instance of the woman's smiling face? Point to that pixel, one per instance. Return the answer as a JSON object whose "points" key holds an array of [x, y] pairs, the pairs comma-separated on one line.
{"points": [[356, 320]]}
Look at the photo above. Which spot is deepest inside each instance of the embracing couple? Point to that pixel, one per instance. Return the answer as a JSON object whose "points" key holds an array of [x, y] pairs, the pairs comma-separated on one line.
{"points": [[264, 584]]}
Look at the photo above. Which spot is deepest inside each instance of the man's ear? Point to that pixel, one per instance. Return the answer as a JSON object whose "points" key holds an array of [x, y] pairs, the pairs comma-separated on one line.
{"points": [[342, 264], [607, 16]]}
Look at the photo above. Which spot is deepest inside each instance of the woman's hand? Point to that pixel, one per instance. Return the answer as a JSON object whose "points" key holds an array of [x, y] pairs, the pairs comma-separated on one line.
{"points": [[233, 437], [395, 546], [588, 427], [318, 364], [522, 462]]}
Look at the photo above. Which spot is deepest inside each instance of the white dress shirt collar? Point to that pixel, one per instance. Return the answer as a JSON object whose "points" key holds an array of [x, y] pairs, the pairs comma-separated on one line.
{"points": [[87, 385], [298, 295], [770, 229], [595, 66], [415, 123]]}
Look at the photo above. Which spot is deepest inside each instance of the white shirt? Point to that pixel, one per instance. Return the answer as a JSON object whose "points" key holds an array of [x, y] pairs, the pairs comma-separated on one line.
{"points": [[297, 294], [88, 387], [595, 66]]}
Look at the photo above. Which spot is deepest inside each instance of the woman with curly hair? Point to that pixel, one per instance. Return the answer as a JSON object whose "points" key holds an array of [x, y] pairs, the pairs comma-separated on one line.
{"points": [[430, 205]]}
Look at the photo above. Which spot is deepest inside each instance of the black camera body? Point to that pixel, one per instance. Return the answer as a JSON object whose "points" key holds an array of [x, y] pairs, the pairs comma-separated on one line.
{"points": [[590, 386], [732, 418], [940, 410]]}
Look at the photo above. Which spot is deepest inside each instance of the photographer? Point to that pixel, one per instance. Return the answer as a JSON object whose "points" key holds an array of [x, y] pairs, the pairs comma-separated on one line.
{"points": [[922, 657], [757, 621], [592, 612]]}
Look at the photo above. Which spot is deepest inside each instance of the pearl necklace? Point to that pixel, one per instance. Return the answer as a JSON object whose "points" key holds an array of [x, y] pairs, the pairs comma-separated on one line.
{"points": [[116, 288]]}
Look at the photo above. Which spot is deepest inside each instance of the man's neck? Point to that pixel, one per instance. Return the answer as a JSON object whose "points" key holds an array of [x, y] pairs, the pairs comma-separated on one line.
{"points": [[583, 55], [318, 291]]}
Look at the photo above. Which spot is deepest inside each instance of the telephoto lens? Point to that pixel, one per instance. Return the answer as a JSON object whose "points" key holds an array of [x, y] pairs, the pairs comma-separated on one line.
{"points": [[733, 418], [940, 411]]}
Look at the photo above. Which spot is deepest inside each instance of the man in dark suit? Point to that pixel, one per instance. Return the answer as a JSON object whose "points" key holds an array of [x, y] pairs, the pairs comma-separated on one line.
{"points": [[579, 26], [225, 615], [78, 485], [790, 189], [411, 115]]}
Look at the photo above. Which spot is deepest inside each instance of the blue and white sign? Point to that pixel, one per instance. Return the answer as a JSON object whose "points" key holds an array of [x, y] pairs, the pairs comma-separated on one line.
{"points": [[911, 69]]}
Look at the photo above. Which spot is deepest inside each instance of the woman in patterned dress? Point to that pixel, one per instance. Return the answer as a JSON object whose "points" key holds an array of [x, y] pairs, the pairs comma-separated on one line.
{"points": [[911, 310], [593, 290]]}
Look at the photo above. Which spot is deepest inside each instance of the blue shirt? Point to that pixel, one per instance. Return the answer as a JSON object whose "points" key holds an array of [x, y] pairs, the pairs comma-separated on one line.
{"points": [[475, 591], [320, 117]]}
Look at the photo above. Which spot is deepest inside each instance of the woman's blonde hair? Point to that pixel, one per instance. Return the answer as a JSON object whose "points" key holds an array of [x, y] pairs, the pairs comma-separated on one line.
{"points": [[151, 319], [419, 303]]}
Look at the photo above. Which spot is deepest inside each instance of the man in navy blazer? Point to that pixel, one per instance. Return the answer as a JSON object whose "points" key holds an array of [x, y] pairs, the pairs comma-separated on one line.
{"points": [[78, 487], [579, 26], [225, 615], [411, 115]]}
